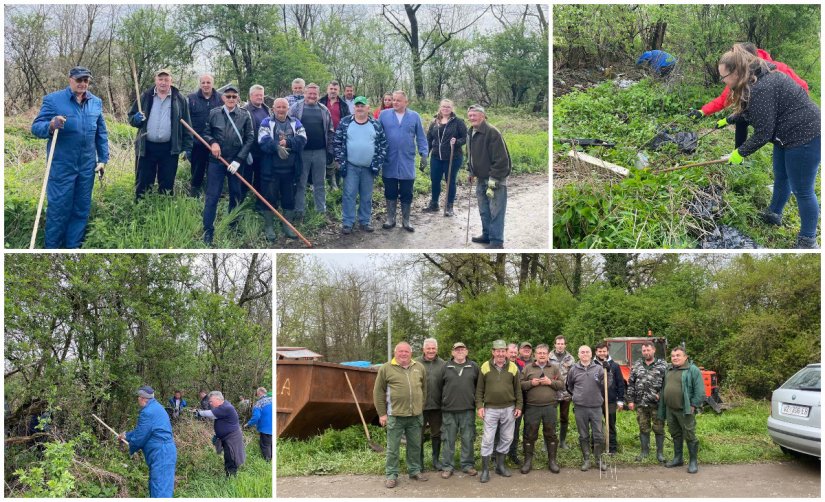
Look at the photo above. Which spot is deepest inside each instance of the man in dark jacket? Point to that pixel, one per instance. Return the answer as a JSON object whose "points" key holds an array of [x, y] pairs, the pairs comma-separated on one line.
{"points": [[615, 391], [585, 382], [318, 151], [683, 394], [489, 161], [458, 411], [434, 367], [230, 135], [540, 382], [338, 109], [161, 138], [201, 103], [229, 437]]}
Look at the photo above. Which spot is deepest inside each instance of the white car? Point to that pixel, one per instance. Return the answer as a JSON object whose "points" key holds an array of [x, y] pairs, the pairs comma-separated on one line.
{"points": [[796, 407]]}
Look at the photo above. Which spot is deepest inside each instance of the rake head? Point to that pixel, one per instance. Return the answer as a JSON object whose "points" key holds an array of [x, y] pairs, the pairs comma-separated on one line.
{"points": [[611, 471]]}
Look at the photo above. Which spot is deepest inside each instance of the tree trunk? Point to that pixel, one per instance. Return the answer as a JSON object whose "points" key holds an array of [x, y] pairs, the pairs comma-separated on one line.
{"points": [[418, 72], [657, 35]]}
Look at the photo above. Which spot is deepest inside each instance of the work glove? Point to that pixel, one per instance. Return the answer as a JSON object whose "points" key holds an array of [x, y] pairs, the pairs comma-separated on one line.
{"points": [[735, 159], [422, 164], [100, 169], [696, 114], [57, 122], [283, 152], [722, 123], [233, 167], [139, 118], [491, 186]]}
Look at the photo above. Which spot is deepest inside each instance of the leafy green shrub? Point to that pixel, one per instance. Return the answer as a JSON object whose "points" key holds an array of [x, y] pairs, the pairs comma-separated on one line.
{"points": [[51, 476]]}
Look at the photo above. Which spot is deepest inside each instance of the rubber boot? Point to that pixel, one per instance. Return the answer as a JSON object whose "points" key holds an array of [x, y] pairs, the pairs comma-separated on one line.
{"points": [[485, 469], [392, 206], [597, 451], [645, 440], [660, 446], [501, 467], [693, 452], [449, 211], [552, 451], [431, 207], [405, 216], [677, 455], [585, 457], [298, 217], [527, 466], [289, 215], [563, 437], [436, 454], [269, 228]]}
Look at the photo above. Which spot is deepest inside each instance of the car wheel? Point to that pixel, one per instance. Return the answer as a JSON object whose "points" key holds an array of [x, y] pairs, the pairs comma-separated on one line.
{"points": [[790, 452]]}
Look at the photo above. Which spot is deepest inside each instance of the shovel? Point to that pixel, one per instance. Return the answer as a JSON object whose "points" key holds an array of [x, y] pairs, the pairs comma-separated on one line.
{"points": [[375, 447]]}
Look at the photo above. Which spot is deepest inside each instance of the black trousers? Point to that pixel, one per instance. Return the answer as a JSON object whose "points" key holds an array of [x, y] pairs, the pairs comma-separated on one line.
{"points": [[159, 164], [265, 440], [278, 189], [200, 158]]}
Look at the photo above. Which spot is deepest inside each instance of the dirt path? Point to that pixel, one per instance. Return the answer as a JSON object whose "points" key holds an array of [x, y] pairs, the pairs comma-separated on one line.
{"points": [[526, 223], [786, 479]]}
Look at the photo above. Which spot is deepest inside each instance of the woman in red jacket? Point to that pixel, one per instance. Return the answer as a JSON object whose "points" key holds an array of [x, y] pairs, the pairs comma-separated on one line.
{"points": [[386, 102]]}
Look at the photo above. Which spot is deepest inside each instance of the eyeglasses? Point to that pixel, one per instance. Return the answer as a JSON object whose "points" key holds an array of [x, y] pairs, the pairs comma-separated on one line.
{"points": [[82, 80], [230, 97], [723, 77]]}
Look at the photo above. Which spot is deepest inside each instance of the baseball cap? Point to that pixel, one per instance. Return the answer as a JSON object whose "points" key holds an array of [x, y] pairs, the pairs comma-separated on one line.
{"points": [[459, 344], [361, 100], [525, 344], [80, 72], [231, 87], [163, 71], [499, 344]]}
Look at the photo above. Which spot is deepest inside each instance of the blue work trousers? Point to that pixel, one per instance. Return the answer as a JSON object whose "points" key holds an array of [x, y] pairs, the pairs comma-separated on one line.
{"points": [[357, 183]]}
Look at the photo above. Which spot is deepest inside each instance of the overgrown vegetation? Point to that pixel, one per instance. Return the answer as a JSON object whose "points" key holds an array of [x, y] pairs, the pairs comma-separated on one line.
{"points": [[82, 332], [161, 222], [592, 209], [737, 436]]}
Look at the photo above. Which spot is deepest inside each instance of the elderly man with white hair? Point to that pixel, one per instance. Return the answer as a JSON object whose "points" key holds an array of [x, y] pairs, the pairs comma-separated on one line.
{"points": [[229, 437]]}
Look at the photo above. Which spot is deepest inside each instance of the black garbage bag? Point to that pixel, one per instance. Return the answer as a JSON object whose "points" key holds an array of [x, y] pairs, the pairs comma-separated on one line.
{"points": [[687, 142]]}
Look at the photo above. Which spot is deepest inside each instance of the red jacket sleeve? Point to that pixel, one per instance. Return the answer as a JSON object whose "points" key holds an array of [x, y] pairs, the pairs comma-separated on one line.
{"points": [[787, 70], [717, 104]]}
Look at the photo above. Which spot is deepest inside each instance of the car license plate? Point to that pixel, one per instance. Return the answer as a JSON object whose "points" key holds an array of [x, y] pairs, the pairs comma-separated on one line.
{"points": [[795, 411]]}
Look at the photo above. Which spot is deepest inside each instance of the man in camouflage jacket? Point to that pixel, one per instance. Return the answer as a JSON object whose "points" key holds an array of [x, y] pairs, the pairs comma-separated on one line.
{"points": [[642, 395]]}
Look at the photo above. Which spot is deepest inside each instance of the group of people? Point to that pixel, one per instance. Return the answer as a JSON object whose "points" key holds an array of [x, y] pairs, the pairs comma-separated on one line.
{"points": [[518, 386], [153, 433], [303, 137], [769, 96]]}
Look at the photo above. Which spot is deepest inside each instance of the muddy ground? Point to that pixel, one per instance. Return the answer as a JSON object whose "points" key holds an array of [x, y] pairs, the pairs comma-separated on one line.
{"points": [[526, 222], [787, 479]]}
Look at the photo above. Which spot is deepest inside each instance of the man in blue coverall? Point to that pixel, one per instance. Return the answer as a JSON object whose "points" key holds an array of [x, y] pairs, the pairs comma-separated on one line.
{"points": [[660, 62], [262, 420], [153, 435], [82, 148]]}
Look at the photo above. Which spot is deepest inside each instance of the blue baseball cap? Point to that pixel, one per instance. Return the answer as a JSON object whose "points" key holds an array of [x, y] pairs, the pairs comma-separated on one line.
{"points": [[79, 72]]}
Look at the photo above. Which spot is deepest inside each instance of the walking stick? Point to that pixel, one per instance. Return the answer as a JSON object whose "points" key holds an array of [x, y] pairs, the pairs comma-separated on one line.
{"points": [[375, 447], [110, 429], [249, 186], [139, 107], [688, 166], [43, 190], [449, 172], [469, 207]]}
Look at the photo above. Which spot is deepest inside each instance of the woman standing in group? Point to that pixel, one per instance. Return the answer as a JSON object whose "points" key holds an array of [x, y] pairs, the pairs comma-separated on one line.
{"points": [[780, 112], [386, 102], [446, 138]]}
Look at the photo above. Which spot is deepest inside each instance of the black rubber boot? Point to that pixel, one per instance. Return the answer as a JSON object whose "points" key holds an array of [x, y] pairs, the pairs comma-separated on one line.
{"points": [[405, 216], [563, 437], [289, 215], [660, 447], [431, 207], [677, 454], [597, 451], [585, 457], [552, 451], [392, 207], [645, 440], [501, 467], [693, 452], [269, 227], [485, 469], [436, 454], [527, 466]]}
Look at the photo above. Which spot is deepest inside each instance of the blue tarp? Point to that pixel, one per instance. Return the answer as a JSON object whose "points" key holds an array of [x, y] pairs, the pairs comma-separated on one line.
{"points": [[358, 364]]}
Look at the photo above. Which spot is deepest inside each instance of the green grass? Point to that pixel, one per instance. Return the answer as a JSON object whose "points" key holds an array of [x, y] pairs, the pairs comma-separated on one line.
{"points": [[647, 210], [737, 436], [160, 222]]}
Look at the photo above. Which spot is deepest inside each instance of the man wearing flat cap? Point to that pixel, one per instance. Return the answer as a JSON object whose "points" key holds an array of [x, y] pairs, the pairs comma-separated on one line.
{"points": [[161, 138], [82, 148], [153, 435], [499, 403], [489, 161], [458, 411], [230, 133]]}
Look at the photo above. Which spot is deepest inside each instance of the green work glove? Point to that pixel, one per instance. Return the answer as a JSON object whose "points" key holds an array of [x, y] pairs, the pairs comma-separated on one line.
{"points": [[491, 186], [696, 114], [722, 123], [735, 159]]}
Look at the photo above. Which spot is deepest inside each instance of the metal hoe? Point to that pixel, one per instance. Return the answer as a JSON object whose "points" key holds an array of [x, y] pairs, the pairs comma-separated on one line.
{"points": [[248, 185], [110, 429], [43, 190], [606, 459], [375, 447]]}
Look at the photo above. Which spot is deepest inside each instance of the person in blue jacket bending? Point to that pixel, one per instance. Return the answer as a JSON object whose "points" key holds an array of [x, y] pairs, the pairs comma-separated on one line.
{"points": [[82, 148], [660, 62], [153, 435], [262, 420], [177, 403]]}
